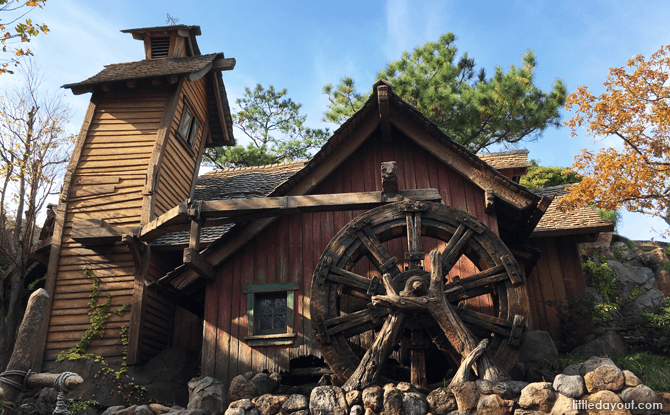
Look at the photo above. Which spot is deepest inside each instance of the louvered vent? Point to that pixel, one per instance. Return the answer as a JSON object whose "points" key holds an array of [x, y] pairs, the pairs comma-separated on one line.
{"points": [[160, 47]]}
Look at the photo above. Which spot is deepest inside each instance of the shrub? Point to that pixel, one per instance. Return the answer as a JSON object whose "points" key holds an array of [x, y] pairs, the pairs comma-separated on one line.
{"points": [[610, 216]]}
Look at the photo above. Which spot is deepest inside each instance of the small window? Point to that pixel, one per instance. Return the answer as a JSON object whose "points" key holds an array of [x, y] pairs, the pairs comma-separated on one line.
{"points": [[270, 313], [188, 127]]}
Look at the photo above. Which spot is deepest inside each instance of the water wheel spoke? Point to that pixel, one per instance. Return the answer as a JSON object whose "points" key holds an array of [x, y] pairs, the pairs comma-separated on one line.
{"points": [[474, 285], [377, 254], [485, 321], [414, 254], [372, 363], [355, 282], [356, 323], [452, 252]]}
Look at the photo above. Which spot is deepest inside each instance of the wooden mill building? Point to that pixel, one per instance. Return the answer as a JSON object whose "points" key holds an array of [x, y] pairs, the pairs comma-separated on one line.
{"points": [[258, 268]]}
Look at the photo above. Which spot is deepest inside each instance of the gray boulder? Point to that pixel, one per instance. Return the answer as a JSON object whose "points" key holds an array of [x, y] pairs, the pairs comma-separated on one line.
{"points": [[441, 401], [608, 344], [270, 404], [373, 398], [328, 400], [143, 410], [112, 409], [207, 394], [414, 403], [241, 388], [570, 386], [295, 403], [594, 363], [264, 383], [537, 347], [393, 402], [640, 395]]}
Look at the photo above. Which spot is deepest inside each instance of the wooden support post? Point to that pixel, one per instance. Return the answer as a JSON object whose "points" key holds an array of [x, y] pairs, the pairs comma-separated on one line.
{"points": [[389, 177], [192, 257], [384, 112], [25, 346]]}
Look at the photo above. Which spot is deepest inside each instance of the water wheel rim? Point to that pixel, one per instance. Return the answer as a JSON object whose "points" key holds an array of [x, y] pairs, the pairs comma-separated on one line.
{"points": [[442, 223]]}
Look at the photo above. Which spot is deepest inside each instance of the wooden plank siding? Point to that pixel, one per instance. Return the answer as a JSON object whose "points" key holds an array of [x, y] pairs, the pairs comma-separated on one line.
{"points": [[178, 166], [557, 276], [288, 250], [117, 149]]}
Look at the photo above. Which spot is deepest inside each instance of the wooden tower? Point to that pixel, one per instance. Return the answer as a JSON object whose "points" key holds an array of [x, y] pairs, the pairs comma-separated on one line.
{"points": [[137, 156]]}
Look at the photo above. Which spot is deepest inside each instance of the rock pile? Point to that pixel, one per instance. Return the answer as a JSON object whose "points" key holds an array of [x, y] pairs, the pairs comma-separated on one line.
{"points": [[598, 383]]}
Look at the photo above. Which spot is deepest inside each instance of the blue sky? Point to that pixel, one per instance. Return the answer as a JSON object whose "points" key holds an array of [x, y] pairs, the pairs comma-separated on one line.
{"points": [[303, 45]]}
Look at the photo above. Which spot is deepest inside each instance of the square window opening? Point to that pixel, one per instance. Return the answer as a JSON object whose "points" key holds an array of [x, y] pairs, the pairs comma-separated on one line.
{"points": [[270, 313]]}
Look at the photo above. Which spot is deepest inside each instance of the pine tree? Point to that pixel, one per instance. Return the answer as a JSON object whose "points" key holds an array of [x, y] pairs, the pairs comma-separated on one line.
{"points": [[475, 111]]}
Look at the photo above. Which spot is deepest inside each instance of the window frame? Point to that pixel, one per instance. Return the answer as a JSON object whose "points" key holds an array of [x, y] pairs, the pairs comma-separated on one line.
{"points": [[275, 339], [191, 137]]}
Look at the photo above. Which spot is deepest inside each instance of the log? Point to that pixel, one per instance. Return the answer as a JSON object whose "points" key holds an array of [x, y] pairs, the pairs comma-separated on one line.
{"points": [[46, 380], [463, 373], [25, 346]]}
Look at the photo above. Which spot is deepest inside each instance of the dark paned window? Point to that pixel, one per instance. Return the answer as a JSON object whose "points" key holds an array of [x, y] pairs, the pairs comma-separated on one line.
{"points": [[271, 312], [188, 127]]}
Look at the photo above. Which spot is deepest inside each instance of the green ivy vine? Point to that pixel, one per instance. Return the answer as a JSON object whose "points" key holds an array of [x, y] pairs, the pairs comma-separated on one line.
{"points": [[98, 316]]}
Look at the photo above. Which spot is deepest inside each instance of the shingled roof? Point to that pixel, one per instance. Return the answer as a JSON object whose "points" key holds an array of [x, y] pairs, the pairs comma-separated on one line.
{"points": [[235, 183], [148, 68], [506, 159], [577, 221]]}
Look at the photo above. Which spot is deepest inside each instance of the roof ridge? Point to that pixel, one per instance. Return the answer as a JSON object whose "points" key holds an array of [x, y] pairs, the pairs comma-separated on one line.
{"points": [[256, 168], [504, 153]]}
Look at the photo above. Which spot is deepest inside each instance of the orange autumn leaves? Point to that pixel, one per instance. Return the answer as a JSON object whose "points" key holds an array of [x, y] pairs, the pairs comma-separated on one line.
{"points": [[635, 107]]}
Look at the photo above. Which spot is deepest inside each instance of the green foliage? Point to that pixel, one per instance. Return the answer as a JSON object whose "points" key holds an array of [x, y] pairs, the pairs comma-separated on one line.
{"points": [[663, 266], [610, 216], [652, 369], [275, 127], [475, 111], [33, 284], [540, 176], [653, 327], [601, 277], [579, 309], [78, 407], [98, 317]]}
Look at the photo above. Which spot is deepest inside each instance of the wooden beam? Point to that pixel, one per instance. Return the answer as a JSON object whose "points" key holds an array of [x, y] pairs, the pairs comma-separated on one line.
{"points": [[173, 79], [525, 231], [193, 260], [216, 80], [199, 74], [243, 210], [101, 235], [42, 246], [486, 180], [389, 177], [162, 137], [224, 64], [178, 214], [384, 113]]}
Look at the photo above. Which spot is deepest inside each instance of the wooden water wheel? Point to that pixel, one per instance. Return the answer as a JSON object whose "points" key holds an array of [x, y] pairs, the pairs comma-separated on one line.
{"points": [[419, 311]]}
